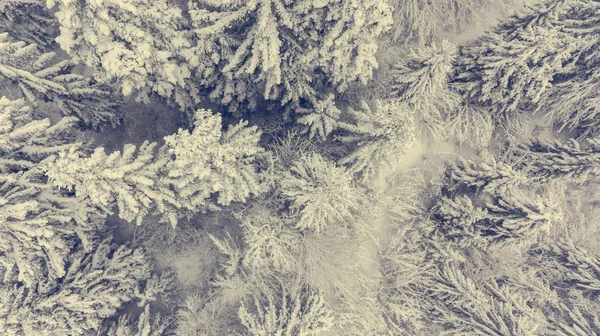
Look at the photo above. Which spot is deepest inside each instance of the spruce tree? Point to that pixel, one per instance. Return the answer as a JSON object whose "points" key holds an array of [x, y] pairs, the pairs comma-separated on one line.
{"points": [[28, 20], [137, 45], [27, 71], [547, 160], [174, 181], [422, 82], [541, 61], [382, 132], [285, 50], [40, 225], [95, 287]]}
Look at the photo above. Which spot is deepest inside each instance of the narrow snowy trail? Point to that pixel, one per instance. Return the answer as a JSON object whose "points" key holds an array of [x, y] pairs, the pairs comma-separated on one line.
{"points": [[381, 225]]}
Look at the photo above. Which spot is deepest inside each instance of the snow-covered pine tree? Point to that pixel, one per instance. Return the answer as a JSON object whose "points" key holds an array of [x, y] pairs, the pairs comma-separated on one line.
{"points": [[572, 101], [547, 160], [572, 271], [26, 71], [298, 311], [494, 203], [475, 177], [573, 104], [404, 264], [321, 119], [540, 61], [145, 325], [519, 216], [471, 125], [514, 64], [95, 287], [39, 225], [578, 269], [271, 242], [422, 82], [137, 44], [382, 131], [215, 312], [285, 50], [208, 160], [328, 261], [578, 317], [28, 20], [458, 217], [510, 218], [465, 307], [176, 181], [320, 193], [287, 150], [202, 315], [125, 179]]}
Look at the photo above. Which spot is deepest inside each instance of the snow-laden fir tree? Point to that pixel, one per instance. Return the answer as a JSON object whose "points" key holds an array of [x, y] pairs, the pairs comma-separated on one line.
{"points": [[573, 104], [573, 272], [382, 132], [422, 82], [328, 261], [320, 120], [208, 160], [135, 44], [572, 101], [576, 269], [547, 160], [26, 71], [95, 287], [39, 225], [540, 61], [123, 179], [296, 311], [457, 218], [271, 242], [578, 317], [285, 50], [520, 216], [320, 193], [494, 203], [146, 324], [199, 315], [288, 149], [465, 307], [214, 311], [176, 180], [513, 65], [509, 218], [471, 125], [28, 20], [474, 177], [405, 262]]}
